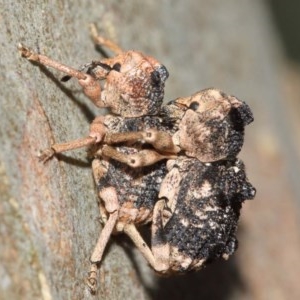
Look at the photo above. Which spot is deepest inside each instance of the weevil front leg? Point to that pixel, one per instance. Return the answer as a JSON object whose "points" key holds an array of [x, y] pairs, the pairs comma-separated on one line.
{"points": [[91, 86], [59, 148]]}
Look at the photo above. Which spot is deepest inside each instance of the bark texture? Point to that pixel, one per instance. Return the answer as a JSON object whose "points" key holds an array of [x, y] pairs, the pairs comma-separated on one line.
{"points": [[49, 215]]}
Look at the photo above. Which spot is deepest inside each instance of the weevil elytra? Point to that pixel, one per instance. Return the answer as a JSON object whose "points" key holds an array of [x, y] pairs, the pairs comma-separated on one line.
{"points": [[194, 199]]}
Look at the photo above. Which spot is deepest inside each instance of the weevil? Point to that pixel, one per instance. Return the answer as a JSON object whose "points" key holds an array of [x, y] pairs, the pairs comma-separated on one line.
{"points": [[196, 216], [195, 220], [133, 92]]}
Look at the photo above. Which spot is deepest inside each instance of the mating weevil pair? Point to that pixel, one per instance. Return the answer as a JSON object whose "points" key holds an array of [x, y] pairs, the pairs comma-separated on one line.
{"points": [[173, 165]]}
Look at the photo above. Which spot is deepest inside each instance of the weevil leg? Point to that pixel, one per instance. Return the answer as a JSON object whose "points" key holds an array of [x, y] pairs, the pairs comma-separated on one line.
{"points": [[97, 132], [104, 237], [123, 137], [91, 280], [160, 140], [139, 242], [142, 158], [98, 129], [154, 261], [160, 247], [46, 61], [59, 148], [101, 41], [91, 86], [110, 198], [99, 168]]}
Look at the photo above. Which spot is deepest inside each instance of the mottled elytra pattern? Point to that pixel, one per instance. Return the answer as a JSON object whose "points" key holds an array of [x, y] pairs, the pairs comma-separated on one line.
{"points": [[143, 192], [204, 217]]}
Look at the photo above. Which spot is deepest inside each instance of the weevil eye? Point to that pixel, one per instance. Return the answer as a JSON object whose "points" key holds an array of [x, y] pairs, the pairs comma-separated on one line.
{"points": [[116, 67], [159, 75], [155, 77], [194, 106]]}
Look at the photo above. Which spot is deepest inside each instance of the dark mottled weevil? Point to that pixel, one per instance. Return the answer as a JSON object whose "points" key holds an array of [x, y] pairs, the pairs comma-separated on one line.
{"points": [[133, 91], [195, 219]]}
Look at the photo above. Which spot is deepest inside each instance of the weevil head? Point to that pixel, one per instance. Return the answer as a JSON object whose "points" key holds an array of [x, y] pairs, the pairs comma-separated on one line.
{"points": [[212, 127], [134, 84]]}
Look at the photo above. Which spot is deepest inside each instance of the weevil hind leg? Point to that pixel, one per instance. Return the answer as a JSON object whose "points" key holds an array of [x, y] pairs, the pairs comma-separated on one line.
{"points": [[154, 261], [135, 236], [110, 198]]}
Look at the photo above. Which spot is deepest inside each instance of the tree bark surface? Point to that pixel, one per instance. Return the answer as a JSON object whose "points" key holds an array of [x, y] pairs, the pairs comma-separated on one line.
{"points": [[49, 213]]}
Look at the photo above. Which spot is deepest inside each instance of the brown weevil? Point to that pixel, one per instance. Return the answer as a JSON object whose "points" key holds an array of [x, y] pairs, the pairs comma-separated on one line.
{"points": [[133, 92]]}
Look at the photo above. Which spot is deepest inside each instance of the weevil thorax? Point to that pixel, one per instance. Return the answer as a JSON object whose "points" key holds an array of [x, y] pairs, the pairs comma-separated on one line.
{"points": [[135, 85], [212, 127]]}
